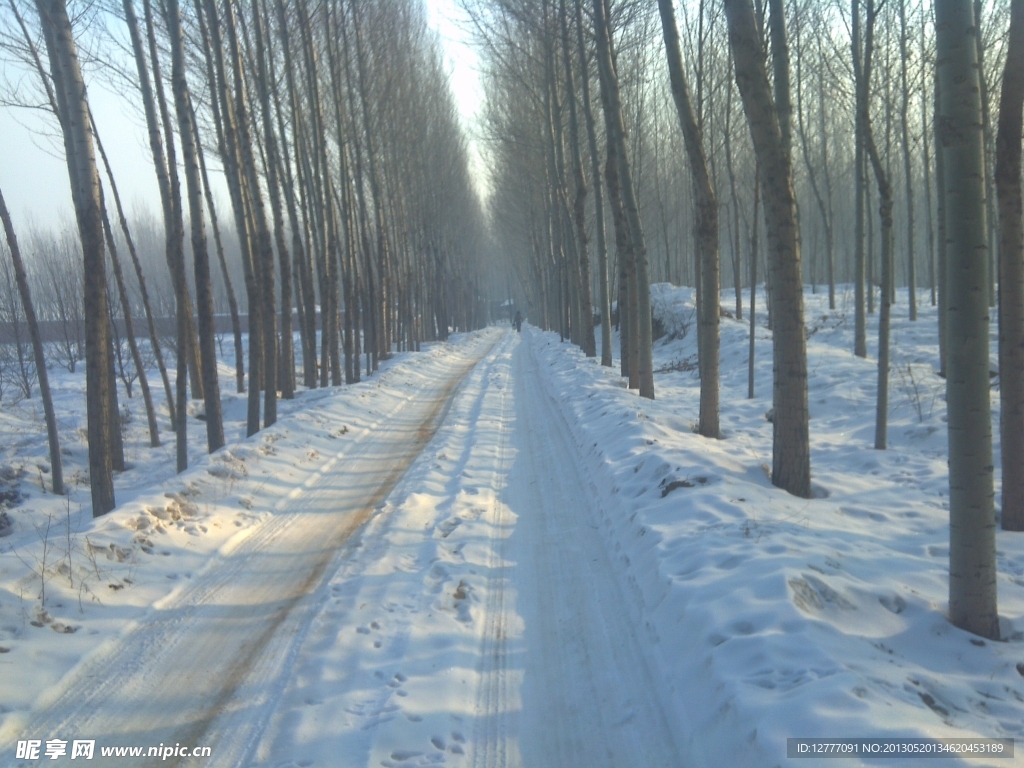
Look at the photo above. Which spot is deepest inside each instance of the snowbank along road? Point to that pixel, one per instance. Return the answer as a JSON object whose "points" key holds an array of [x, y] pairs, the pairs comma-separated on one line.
{"points": [[437, 593]]}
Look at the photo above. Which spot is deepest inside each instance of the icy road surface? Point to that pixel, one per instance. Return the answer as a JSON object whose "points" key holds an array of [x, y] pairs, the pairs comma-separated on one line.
{"points": [[438, 593]]}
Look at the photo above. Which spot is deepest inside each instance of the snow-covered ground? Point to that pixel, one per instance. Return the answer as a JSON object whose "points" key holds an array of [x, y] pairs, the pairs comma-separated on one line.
{"points": [[492, 553], [779, 617]]}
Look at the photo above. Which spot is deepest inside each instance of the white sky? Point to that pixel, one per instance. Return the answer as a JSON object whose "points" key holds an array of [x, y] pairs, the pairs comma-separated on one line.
{"points": [[33, 174]]}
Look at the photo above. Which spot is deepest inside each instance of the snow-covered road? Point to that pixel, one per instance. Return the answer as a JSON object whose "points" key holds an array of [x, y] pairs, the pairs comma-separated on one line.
{"points": [[590, 695], [481, 623], [491, 553], [436, 593]]}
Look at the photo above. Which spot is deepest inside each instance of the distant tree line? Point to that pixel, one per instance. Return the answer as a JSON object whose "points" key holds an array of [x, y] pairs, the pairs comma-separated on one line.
{"points": [[351, 201]]}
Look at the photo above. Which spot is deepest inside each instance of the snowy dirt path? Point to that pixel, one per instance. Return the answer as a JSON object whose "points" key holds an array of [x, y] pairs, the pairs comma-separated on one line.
{"points": [[438, 593], [208, 664], [482, 622], [590, 695]]}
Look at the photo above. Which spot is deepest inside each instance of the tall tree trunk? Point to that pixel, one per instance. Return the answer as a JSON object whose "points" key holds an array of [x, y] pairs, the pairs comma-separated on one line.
{"points": [[177, 226], [595, 172], [180, 381], [737, 253], [557, 198], [318, 173], [907, 166], [371, 283], [150, 412], [56, 464], [1011, 274], [972, 545], [231, 176], [263, 252], [116, 438], [791, 460], [586, 308], [753, 281], [986, 121], [870, 221], [81, 162], [929, 220], [780, 73], [229, 145], [885, 206], [200, 255], [263, 82], [624, 258], [830, 239], [940, 235], [860, 334], [609, 82], [705, 234], [335, 211], [300, 255], [383, 340]]}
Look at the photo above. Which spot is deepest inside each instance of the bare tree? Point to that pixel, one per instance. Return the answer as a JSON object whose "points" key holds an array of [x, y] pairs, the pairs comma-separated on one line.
{"points": [[586, 331], [972, 550], [885, 206], [200, 255], [595, 172], [56, 464], [264, 85], [907, 168], [81, 161], [617, 136], [791, 459], [860, 344], [1011, 274], [229, 146], [263, 249], [753, 282], [705, 228]]}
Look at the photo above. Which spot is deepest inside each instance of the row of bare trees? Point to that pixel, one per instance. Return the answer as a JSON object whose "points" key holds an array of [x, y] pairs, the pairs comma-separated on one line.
{"points": [[351, 198], [543, 57], [894, 93]]}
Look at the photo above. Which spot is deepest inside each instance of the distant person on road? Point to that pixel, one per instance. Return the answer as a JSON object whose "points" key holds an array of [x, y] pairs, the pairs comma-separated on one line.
{"points": [[518, 322]]}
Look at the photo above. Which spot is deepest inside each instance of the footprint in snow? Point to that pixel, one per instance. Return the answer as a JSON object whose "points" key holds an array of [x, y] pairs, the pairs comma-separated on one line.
{"points": [[404, 754], [448, 526]]}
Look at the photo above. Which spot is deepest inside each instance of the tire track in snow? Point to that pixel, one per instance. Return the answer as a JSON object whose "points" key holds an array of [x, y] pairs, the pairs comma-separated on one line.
{"points": [[491, 740], [590, 697]]}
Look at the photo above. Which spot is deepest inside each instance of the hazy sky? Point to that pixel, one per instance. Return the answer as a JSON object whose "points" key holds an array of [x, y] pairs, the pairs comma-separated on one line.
{"points": [[33, 174]]}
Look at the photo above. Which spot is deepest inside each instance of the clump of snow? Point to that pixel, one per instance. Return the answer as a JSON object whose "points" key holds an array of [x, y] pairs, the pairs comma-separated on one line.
{"points": [[774, 616]]}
